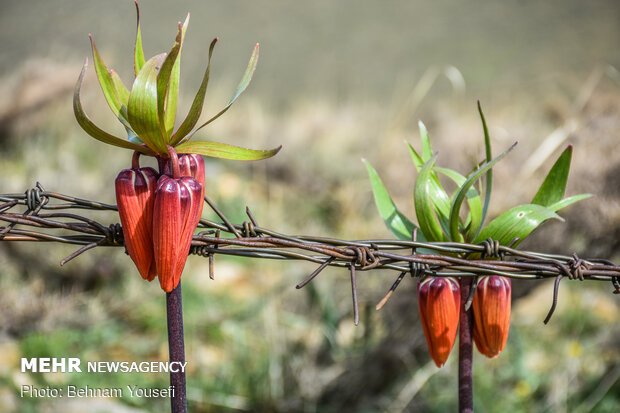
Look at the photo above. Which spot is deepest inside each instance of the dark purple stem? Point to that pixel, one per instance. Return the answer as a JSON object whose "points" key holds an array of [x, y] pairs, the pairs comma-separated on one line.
{"points": [[466, 366], [176, 347]]}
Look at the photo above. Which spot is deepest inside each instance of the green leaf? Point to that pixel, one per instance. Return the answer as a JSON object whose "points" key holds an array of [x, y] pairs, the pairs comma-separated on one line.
{"points": [[473, 201], [553, 187], [121, 90], [132, 137], [427, 152], [489, 156], [417, 159], [142, 107], [243, 84], [194, 112], [568, 201], [440, 198], [224, 151], [138, 60], [464, 189], [168, 84], [517, 222], [92, 129], [113, 89], [423, 203], [396, 221]]}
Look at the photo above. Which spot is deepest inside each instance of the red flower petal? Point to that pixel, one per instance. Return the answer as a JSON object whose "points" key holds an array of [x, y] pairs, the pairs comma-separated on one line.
{"points": [[175, 216], [491, 308], [135, 190], [439, 301]]}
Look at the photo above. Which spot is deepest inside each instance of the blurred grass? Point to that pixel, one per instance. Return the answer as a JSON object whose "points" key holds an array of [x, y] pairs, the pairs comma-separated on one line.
{"points": [[336, 82]]}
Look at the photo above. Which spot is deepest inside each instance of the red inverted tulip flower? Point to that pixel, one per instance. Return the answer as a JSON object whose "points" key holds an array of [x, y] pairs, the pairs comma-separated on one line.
{"points": [[175, 216], [135, 190], [492, 314], [439, 301]]}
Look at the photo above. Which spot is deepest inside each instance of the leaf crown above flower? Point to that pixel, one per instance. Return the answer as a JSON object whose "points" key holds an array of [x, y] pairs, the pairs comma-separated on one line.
{"points": [[148, 110], [439, 215]]}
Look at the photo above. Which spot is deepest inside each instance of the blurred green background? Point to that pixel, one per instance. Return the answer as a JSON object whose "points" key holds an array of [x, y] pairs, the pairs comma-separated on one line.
{"points": [[336, 81]]}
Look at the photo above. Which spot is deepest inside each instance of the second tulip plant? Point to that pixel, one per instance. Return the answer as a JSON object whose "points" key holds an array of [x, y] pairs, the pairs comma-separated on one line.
{"points": [[159, 210], [440, 219]]}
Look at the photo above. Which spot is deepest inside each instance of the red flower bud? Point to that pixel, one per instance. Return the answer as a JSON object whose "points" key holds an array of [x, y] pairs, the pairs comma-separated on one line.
{"points": [[492, 314], [439, 300], [194, 165], [175, 216], [135, 190]]}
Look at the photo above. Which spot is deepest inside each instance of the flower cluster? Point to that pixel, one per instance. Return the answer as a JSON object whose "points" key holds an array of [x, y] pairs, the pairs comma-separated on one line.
{"points": [[440, 219], [160, 210]]}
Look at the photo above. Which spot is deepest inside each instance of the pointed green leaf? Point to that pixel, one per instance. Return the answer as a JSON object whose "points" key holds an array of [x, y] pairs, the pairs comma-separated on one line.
{"points": [[113, 89], [473, 201], [224, 151], [168, 84], [417, 159], [427, 152], [424, 204], [138, 60], [517, 222], [463, 190], [243, 84], [173, 94], [440, 198], [92, 129], [194, 112], [489, 156], [396, 221], [142, 107], [553, 187], [121, 90], [568, 201]]}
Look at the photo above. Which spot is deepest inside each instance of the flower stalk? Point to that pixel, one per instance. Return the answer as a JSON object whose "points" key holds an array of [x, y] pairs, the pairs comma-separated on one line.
{"points": [[466, 350], [176, 348]]}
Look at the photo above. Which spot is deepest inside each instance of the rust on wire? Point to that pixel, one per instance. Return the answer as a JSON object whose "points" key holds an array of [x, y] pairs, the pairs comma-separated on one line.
{"points": [[356, 312], [385, 299], [554, 303], [230, 226], [315, 273], [251, 240], [416, 269]]}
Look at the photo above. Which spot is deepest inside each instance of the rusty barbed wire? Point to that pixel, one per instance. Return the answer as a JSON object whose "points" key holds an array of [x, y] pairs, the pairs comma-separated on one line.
{"points": [[444, 259]]}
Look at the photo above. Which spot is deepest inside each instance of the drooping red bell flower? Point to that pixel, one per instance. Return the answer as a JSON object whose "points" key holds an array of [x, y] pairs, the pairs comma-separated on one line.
{"points": [[175, 215], [491, 308], [135, 196], [439, 301]]}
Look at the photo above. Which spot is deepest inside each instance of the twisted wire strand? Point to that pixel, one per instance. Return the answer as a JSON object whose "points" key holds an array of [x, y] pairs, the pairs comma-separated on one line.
{"points": [[255, 241], [248, 239]]}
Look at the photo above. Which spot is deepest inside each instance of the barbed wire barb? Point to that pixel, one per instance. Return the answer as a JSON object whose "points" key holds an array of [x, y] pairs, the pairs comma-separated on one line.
{"points": [[443, 259]]}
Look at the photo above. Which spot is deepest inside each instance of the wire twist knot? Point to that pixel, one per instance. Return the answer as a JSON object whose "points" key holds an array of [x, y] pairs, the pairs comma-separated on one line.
{"points": [[35, 200], [114, 235], [491, 248]]}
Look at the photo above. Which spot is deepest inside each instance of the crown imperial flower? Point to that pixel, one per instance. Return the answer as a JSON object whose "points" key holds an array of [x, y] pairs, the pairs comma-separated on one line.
{"points": [[491, 308], [439, 303], [135, 190], [160, 214]]}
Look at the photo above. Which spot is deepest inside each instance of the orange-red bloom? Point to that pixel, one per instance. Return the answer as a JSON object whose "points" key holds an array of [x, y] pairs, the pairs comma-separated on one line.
{"points": [[135, 190], [175, 215], [194, 165], [439, 300], [492, 314]]}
